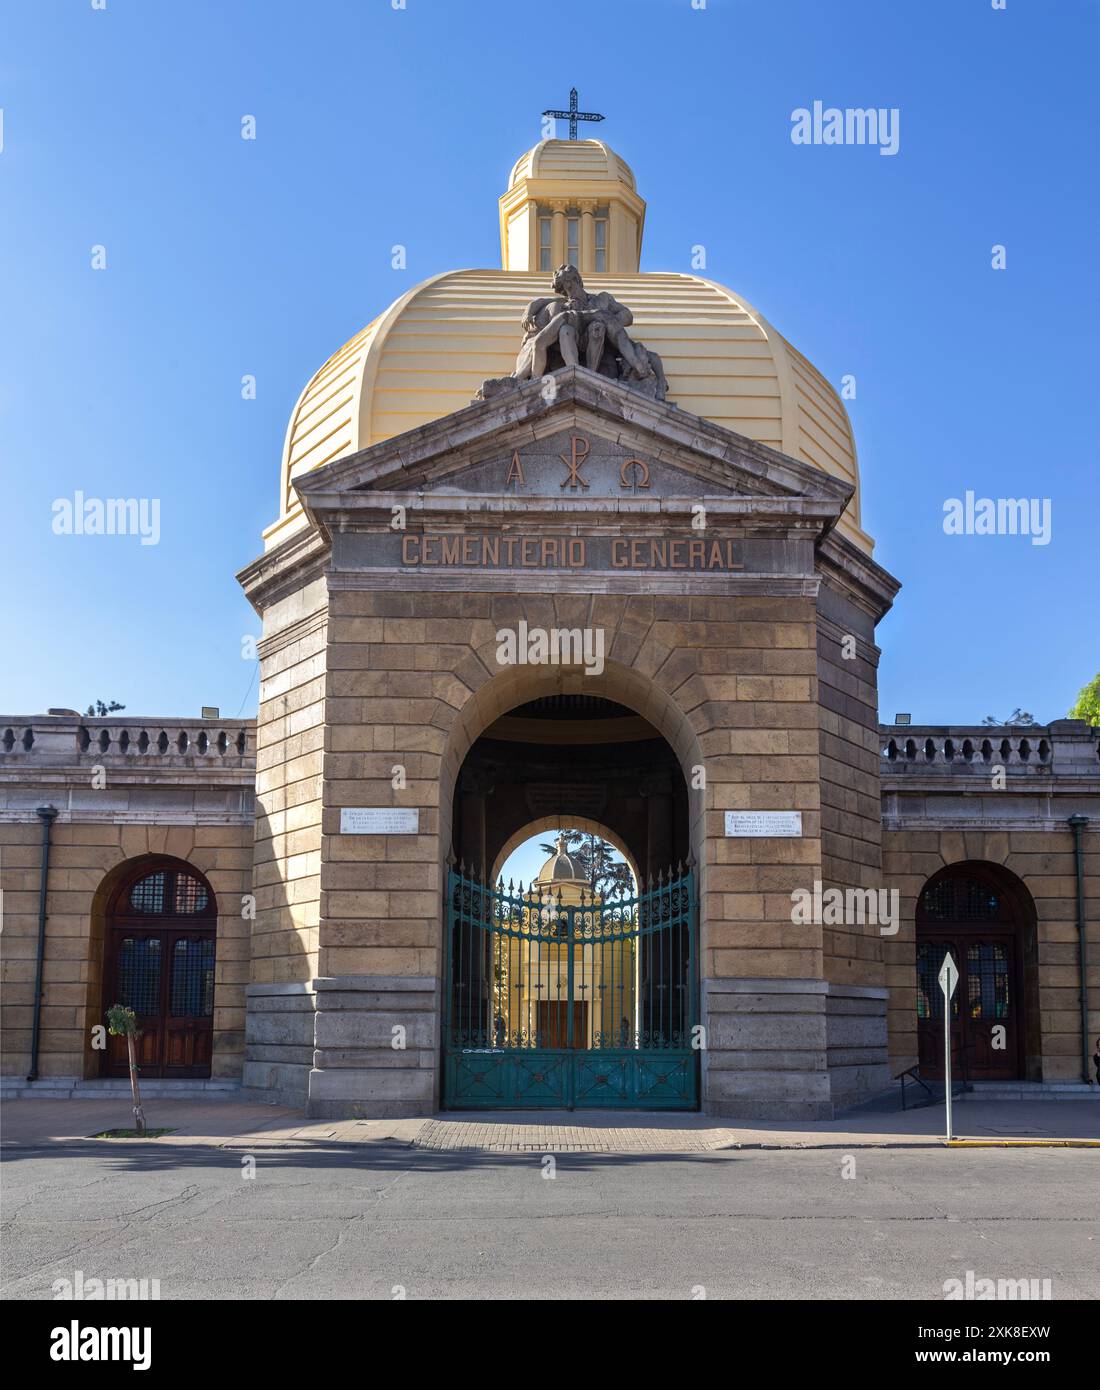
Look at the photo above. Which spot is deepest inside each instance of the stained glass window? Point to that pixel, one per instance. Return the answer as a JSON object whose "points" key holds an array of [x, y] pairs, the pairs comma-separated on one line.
{"points": [[960, 900], [190, 895], [987, 981]]}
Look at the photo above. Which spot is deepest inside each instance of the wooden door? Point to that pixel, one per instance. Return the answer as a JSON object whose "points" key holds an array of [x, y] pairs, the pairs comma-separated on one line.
{"points": [[989, 1007], [161, 945], [986, 1021], [554, 1023], [188, 1019], [135, 978]]}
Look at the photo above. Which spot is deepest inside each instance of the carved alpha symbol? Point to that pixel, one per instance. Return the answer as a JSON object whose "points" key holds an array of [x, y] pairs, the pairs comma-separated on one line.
{"points": [[578, 451], [515, 469]]}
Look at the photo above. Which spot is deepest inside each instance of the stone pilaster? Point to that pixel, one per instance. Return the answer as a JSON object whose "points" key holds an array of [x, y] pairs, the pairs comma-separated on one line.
{"points": [[376, 1046]]}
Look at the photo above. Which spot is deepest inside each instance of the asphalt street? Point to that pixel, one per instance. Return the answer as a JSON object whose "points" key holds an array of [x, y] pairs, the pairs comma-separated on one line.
{"points": [[383, 1221]]}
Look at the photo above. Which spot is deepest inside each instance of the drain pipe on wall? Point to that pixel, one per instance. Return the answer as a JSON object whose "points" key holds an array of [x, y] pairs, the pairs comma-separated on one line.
{"points": [[1077, 824], [47, 815]]}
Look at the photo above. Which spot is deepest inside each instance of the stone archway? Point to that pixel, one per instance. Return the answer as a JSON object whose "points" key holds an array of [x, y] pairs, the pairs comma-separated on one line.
{"points": [[517, 686], [985, 916], [604, 994], [160, 922], [592, 827]]}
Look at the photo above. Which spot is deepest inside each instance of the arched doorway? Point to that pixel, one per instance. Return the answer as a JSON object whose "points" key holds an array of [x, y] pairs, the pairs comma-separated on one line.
{"points": [[532, 829], [555, 995], [159, 961], [985, 917]]}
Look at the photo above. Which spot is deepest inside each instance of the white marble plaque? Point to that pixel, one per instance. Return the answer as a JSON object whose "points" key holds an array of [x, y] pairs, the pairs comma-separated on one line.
{"points": [[760, 824], [379, 820]]}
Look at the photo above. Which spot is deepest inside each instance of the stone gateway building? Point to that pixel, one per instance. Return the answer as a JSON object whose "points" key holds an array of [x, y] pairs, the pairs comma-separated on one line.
{"points": [[559, 544]]}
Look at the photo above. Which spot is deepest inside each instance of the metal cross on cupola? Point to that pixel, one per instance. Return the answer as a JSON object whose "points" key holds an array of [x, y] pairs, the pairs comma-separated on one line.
{"points": [[573, 115]]}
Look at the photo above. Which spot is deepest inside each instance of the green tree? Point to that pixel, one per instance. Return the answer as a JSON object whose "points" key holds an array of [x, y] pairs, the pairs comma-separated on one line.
{"points": [[122, 1023], [97, 707], [1087, 704], [1018, 719]]}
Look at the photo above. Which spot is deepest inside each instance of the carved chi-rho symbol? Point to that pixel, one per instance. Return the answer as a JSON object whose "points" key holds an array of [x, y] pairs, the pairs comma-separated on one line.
{"points": [[578, 452], [636, 479]]}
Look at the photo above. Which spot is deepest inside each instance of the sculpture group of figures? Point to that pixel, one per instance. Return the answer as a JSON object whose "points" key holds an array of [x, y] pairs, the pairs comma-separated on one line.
{"points": [[574, 328]]}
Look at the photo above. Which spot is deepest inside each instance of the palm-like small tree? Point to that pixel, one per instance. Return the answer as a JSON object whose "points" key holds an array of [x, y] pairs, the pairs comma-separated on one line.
{"points": [[122, 1023]]}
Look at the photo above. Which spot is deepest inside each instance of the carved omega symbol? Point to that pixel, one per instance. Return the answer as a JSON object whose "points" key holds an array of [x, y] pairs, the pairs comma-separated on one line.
{"points": [[636, 480]]}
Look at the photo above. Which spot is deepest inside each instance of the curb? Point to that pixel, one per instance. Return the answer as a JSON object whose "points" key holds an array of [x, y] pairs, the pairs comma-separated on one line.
{"points": [[1021, 1143]]}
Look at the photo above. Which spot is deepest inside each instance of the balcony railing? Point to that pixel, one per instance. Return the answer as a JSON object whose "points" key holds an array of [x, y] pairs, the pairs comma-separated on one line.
{"points": [[1064, 746], [60, 739]]}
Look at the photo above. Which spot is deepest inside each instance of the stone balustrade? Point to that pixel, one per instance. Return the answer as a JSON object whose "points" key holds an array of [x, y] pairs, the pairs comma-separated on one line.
{"points": [[65, 740], [1063, 747]]}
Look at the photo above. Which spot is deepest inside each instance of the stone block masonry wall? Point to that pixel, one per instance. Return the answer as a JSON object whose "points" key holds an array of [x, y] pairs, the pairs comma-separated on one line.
{"points": [[851, 845], [290, 738], [413, 680], [85, 861], [290, 734], [851, 817], [1043, 861]]}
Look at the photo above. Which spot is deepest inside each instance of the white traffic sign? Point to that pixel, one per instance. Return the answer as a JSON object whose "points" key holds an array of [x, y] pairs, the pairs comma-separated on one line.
{"points": [[948, 978]]}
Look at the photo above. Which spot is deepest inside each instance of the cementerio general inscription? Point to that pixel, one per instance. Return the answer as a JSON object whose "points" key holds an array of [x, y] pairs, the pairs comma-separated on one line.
{"points": [[439, 551], [568, 552]]}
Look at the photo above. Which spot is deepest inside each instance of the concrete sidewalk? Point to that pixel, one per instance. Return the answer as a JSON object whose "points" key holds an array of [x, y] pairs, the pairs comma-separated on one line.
{"points": [[231, 1124]]}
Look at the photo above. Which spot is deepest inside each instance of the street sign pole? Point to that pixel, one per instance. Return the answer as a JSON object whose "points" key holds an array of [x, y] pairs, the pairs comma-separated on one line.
{"points": [[948, 978]]}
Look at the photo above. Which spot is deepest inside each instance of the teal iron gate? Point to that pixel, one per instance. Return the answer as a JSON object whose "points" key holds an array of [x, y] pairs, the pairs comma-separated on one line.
{"points": [[590, 1003]]}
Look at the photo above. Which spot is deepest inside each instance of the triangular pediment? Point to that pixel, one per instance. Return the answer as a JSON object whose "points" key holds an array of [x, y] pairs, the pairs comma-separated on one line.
{"points": [[568, 485], [573, 438]]}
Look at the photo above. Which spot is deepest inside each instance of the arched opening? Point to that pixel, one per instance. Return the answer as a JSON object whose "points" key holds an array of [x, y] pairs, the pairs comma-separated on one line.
{"points": [[554, 995], [578, 757], [159, 954], [533, 829], [985, 917]]}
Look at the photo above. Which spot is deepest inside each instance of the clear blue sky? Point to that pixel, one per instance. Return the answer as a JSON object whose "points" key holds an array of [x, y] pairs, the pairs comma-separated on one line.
{"points": [[375, 126]]}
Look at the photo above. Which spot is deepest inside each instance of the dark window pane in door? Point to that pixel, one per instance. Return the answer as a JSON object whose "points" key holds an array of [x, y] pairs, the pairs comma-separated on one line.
{"points": [[930, 956], [191, 990], [147, 895], [987, 971], [960, 900], [139, 974], [190, 895]]}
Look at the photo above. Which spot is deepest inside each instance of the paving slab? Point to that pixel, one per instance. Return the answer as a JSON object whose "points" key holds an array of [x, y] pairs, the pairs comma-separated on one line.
{"points": [[239, 1125]]}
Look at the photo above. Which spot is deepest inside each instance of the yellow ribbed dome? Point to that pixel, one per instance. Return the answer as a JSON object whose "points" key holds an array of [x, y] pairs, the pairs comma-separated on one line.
{"points": [[562, 867], [428, 354], [578, 160]]}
